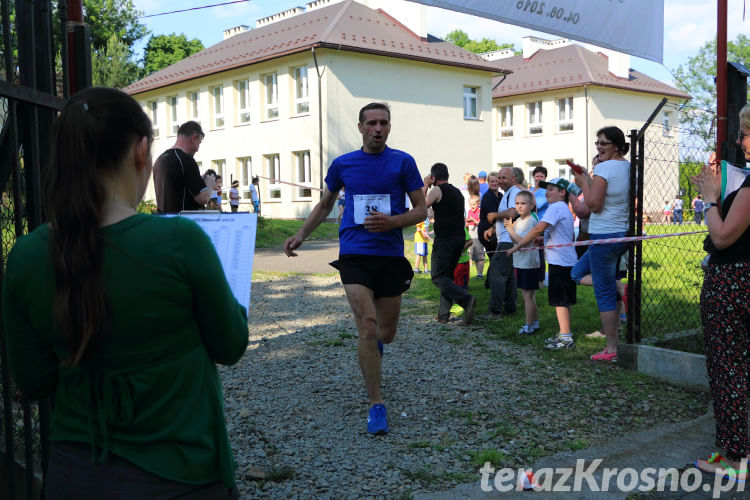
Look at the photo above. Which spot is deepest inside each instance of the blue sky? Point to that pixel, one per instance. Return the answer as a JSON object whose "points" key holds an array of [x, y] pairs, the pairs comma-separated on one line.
{"points": [[688, 24]]}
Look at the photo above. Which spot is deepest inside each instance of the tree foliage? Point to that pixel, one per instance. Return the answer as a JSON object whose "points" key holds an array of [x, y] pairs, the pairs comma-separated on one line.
{"points": [[164, 50], [113, 66], [697, 78], [107, 18], [461, 39]]}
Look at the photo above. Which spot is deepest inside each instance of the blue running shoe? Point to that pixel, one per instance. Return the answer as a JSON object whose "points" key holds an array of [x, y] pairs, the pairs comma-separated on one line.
{"points": [[377, 421], [380, 348]]}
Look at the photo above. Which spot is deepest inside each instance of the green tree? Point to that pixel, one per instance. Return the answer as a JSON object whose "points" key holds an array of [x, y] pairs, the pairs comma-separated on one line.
{"points": [[113, 66], [461, 39], [113, 17], [164, 50], [696, 77]]}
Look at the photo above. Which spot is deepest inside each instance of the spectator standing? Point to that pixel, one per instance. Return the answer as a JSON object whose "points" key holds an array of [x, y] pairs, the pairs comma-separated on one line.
{"points": [[677, 210], [525, 262], [697, 206], [725, 312], [557, 225], [607, 194], [254, 195], [488, 204], [483, 186], [122, 318], [477, 250], [421, 240], [450, 237], [177, 181], [667, 211], [234, 196], [502, 279]]}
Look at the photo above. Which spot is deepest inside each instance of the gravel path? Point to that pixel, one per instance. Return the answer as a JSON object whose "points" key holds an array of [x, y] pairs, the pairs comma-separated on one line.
{"points": [[296, 404]]}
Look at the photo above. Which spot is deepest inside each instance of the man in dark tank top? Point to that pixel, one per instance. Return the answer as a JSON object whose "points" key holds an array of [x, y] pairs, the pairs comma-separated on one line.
{"points": [[447, 202]]}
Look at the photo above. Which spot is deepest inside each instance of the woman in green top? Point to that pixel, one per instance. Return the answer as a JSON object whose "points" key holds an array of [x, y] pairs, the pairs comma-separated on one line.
{"points": [[111, 313]]}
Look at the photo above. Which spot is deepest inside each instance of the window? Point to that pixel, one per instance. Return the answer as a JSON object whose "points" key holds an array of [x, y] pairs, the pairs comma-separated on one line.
{"points": [[272, 96], [665, 124], [565, 114], [530, 166], [535, 117], [302, 172], [153, 110], [243, 101], [301, 96], [273, 172], [194, 105], [174, 114], [219, 167], [470, 103], [246, 174], [505, 118], [218, 97], [563, 170]]}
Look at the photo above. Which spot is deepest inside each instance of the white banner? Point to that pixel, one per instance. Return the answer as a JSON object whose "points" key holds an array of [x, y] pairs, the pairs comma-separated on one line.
{"points": [[635, 27]]}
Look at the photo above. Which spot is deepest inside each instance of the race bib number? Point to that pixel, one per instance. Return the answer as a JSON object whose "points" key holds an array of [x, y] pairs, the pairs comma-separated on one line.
{"points": [[366, 203]]}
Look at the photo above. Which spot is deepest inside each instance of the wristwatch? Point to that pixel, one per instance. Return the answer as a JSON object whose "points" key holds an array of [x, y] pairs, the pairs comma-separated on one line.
{"points": [[708, 205]]}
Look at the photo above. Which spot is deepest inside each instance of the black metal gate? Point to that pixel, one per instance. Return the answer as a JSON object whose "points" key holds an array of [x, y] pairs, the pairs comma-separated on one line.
{"points": [[33, 86]]}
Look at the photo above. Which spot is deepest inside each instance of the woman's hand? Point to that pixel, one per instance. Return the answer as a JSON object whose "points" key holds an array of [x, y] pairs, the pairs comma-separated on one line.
{"points": [[708, 183]]}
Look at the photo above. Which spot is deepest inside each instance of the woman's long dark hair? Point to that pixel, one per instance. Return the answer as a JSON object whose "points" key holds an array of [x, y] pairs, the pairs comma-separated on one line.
{"points": [[472, 185], [614, 134], [94, 134]]}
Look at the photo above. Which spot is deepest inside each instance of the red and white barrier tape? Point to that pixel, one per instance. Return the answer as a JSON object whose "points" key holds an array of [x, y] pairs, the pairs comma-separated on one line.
{"points": [[624, 239], [277, 181]]}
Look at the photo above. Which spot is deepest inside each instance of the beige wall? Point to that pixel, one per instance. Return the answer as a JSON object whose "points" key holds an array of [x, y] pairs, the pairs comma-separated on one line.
{"points": [[426, 102], [593, 108]]}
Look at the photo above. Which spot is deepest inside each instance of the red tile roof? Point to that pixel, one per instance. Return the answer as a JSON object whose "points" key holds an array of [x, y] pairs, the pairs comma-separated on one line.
{"points": [[571, 66], [346, 26]]}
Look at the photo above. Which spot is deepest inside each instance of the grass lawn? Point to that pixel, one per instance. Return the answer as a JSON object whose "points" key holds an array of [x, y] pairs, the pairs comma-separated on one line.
{"points": [[273, 232]]}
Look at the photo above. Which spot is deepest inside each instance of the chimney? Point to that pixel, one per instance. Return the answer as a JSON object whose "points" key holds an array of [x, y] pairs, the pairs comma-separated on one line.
{"points": [[497, 54], [317, 4], [531, 44], [235, 31], [617, 63], [411, 14], [279, 16]]}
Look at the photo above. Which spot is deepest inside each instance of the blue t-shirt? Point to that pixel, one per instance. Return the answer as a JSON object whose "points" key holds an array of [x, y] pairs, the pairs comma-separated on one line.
{"points": [[540, 196], [483, 188], [390, 172]]}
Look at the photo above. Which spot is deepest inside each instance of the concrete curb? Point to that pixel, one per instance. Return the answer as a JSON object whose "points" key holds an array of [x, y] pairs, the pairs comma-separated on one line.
{"points": [[678, 367]]}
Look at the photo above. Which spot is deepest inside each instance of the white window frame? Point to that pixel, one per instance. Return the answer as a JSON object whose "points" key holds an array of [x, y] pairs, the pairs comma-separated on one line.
{"points": [[173, 109], [471, 103], [301, 91], [220, 166], [303, 175], [534, 111], [243, 109], [665, 119], [153, 111], [194, 100], [565, 114], [563, 170], [245, 167], [271, 97], [217, 101], [530, 166], [505, 121], [273, 172]]}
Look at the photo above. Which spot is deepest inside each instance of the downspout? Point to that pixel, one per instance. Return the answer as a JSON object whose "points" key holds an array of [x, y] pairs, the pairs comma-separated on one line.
{"points": [[320, 118]]}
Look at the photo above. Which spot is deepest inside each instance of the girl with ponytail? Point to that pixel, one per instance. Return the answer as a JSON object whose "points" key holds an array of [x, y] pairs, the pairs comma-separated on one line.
{"points": [[107, 311]]}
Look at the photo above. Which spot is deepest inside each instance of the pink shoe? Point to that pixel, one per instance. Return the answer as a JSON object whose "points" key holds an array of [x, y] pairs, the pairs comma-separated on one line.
{"points": [[610, 357]]}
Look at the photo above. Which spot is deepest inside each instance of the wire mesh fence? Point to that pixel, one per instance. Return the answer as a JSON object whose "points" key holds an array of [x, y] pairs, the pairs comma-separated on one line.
{"points": [[671, 271]]}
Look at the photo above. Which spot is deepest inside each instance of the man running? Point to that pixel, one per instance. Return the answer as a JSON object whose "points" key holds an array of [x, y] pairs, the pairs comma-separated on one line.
{"points": [[371, 260]]}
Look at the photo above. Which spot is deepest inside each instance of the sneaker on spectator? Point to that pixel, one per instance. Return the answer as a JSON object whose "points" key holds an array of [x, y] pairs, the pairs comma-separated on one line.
{"points": [[417, 271], [527, 330], [552, 340], [561, 344], [377, 420], [596, 335]]}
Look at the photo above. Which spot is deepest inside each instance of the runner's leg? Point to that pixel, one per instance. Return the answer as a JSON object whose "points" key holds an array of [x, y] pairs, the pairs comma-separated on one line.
{"points": [[362, 302]]}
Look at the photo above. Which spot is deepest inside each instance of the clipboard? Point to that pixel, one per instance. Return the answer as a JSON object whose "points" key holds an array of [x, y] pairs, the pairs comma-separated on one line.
{"points": [[233, 237]]}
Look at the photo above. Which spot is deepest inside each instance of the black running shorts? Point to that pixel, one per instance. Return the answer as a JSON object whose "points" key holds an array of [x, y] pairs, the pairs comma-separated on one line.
{"points": [[385, 276]]}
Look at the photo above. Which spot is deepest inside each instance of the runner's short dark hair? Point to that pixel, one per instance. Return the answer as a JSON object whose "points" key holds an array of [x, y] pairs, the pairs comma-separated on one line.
{"points": [[374, 105], [190, 128]]}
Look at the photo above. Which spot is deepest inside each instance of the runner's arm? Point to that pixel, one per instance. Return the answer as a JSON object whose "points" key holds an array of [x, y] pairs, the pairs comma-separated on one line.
{"points": [[530, 236], [318, 215]]}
